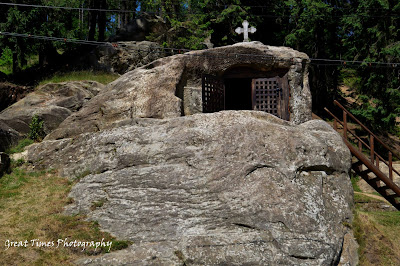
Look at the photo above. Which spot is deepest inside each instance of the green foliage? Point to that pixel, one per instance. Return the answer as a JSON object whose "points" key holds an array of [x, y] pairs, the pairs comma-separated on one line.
{"points": [[354, 182], [374, 40], [192, 22], [17, 163], [101, 77], [364, 30], [6, 61], [10, 184], [120, 244], [349, 77], [20, 146], [36, 131]]}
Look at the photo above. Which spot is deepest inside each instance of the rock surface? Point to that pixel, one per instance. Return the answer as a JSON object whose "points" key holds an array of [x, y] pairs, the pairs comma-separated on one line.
{"points": [[11, 93], [350, 251], [8, 136], [228, 188], [144, 25], [126, 56], [157, 89], [52, 103]]}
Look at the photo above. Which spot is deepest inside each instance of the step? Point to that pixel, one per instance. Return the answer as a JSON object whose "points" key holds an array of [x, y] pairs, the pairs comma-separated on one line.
{"points": [[392, 196], [375, 179], [365, 172], [357, 164], [383, 187]]}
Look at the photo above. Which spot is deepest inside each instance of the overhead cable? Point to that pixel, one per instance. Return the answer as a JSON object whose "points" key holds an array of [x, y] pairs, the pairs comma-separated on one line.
{"points": [[316, 61]]}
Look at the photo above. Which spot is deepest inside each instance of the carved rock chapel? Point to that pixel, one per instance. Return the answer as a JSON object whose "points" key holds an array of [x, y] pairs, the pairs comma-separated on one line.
{"points": [[250, 76]]}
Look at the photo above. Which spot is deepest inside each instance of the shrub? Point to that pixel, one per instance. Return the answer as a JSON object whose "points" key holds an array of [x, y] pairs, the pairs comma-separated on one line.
{"points": [[36, 131]]}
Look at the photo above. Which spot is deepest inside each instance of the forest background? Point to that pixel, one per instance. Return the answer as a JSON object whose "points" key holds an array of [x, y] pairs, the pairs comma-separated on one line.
{"points": [[362, 35]]}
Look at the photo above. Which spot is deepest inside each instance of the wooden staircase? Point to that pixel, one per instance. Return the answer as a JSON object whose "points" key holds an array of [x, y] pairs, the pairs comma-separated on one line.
{"points": [[369, 166]]}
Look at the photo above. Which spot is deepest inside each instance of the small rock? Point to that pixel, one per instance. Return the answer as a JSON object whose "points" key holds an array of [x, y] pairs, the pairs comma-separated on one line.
{"points": [[19, 156]]}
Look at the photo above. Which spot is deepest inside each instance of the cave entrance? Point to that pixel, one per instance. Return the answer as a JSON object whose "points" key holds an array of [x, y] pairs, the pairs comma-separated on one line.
{"points": [[238, 94], [268, 94]]}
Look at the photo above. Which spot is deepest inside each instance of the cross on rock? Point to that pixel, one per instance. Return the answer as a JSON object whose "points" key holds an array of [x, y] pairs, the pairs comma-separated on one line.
{"points": [[245, 30]]}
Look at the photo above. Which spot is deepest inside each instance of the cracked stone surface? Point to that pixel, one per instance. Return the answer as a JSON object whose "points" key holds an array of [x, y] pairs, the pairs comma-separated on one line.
{"points": [[228, 188]]}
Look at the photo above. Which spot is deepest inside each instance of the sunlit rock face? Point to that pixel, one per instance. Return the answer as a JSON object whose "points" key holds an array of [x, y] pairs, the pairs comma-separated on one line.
{"points": [[233, 187], [157, 90]]}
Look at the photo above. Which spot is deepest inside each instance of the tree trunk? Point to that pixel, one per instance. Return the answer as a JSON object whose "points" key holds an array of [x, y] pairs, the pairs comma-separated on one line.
{"points": [[162, 9], [15, 67], [126, 15], [93, 19], [102, 20]]}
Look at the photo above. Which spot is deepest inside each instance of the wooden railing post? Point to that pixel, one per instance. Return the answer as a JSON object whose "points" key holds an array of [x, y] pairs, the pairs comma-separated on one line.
{"points": [[375, 160], [371, 145], [390, 167], [335, 124], [345, 124]]}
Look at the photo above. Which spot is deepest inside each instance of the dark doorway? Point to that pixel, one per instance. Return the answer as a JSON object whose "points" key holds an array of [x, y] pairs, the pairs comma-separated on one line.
{"points": [[238, 94], [270, 94]]}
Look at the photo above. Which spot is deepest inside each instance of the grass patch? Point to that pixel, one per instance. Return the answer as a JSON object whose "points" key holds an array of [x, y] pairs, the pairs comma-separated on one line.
{"points": [[82, 174], [31, 205], [377, 231], [98, 204], [20, 146], [361, 198], [100, 77], [354, 182], [378, 234]]}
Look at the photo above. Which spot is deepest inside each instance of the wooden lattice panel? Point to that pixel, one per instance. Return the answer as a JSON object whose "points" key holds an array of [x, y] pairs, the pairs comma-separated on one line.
{"points": [[213, 94], [266, 95]]}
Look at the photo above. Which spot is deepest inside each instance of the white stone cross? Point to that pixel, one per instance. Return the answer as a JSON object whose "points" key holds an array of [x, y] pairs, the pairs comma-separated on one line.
{"points": [[245, 30]]}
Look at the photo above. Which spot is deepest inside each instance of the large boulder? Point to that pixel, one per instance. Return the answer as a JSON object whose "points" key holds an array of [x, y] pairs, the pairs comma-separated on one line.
{"points": [[52, 103], [11, 93], [137, 29], [126, 56], [157, 90], [227, 188], [8, 136]]}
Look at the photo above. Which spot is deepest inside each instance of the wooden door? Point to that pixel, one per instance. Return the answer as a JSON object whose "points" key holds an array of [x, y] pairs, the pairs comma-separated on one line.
{"points": [[271, 95], [213, 94]]}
